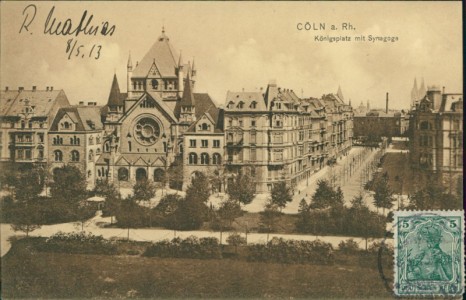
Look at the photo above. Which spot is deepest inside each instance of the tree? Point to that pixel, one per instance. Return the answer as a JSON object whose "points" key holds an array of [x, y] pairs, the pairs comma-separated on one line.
{"points": [[26, 212], [144, 190], [242, 189], [69, 185], [281, 194], [358, 202], [167, 208], [199, 188], [228, 212], [269, 217], [338, 198], [175, 175], [323, 195], [383, 196], [304, 221], [106, 189], [190, 214], [28, 185], [84, 213], [130, 214]]}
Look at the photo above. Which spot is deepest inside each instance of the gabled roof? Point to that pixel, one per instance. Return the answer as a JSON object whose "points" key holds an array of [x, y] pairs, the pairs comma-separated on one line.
{"points": [[159, 102], [163, 54], [86, 118], [41, 100], [114, 98]]}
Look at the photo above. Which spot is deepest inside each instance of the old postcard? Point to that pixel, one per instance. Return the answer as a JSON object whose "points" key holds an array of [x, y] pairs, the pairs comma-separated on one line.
{"points": [[231, 149]]}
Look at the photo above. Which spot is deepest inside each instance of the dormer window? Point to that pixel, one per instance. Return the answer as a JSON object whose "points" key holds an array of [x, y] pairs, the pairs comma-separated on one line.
{"points": [[231, 104], [204, 126], [253, 104], [240, 104], [66, 125]]}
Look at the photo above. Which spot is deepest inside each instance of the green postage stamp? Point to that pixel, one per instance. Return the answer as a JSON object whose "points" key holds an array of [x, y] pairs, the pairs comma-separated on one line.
{"points": [[429, 253]]}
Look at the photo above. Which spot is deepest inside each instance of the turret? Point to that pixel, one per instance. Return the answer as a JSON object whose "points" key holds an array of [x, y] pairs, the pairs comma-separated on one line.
{"points": [[115, 101], [193, 71], [435, 95], [180, 75], [188, 107], [129, 74]]}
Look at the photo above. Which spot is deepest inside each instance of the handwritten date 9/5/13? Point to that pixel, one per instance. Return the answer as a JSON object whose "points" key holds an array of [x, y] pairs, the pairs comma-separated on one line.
{"points": [[75, 49]]}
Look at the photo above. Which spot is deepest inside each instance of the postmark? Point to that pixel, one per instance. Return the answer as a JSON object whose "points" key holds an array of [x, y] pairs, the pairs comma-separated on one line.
{"points": [[429, 253]]}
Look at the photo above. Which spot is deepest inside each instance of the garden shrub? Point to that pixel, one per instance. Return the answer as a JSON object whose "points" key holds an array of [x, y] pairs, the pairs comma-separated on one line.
{"points": [[191, 247], [81, 243], [279, 250], [348, 246]]}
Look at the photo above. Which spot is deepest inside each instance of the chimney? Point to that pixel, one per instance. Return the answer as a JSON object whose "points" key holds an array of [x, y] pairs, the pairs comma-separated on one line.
{"points": [[443, 90], [81, 102], [6, 89], [33, 88], [386, 105], [47, 89], [20, 88]]}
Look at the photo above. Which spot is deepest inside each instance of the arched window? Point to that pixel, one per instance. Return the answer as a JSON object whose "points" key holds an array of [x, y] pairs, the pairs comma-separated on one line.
{"points": [[141, 174], [240, 104], [253, 104], [91, 140], [155, 84], [97, 140], [71, 141], [204, 159], [91, 155], [97, 151], [107, 147], [89, 174], [58, 155], [159, 174], [123, 174], [204, 126], [99, 173], [74, 155], [77, 141], [66, 125], [192, 158], [216, 159]]}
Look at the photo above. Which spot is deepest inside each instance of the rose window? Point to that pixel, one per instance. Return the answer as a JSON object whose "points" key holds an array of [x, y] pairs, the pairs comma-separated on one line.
{"points": [[147, 131]]}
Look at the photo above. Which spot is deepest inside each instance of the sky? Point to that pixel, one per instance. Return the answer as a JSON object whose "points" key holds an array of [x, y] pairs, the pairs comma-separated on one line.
{"points": [[242, 45]]}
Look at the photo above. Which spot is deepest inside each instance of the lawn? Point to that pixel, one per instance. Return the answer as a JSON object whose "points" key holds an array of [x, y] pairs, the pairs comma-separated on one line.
{"points": [[27, 273]]}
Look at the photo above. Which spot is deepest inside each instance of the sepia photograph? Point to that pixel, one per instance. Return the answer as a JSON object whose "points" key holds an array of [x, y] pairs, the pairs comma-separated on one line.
{"points": [[246, 150]]}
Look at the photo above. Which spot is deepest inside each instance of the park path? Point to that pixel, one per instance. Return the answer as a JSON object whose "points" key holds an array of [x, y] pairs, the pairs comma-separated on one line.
{"points": [[95, 224]]}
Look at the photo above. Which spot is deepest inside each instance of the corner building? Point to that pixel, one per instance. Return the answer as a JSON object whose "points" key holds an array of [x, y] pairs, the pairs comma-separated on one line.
{"points": [[436, 137], [278, 136]]}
